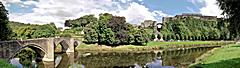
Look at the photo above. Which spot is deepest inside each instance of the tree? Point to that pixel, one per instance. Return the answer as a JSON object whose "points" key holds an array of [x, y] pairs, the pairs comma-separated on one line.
{"points": [[177, 37], [98, 32], [164, 37], [102, 28], [190, 28], [231, 8], [26, 32], [26, 56], [120, 28], [141, 37], [5, 30], [78, 25], [47, 30], [131, 33], [114, 30], [80, 22], [91, 35]]}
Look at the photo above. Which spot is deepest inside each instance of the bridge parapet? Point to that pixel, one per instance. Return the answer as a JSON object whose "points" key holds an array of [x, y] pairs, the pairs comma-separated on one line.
{"points": [[44, 46]]}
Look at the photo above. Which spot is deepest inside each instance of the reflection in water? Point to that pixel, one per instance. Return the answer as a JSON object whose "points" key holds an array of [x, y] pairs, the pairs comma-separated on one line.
{"points": [[57, 60], [166, 59], [157, 63], [66, 61], [61, 61], [15, 62], [179, 58], [182, 58], [137, 66]]}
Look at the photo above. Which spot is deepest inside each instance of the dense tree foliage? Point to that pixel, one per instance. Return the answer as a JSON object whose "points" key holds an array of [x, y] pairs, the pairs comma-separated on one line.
{"points": [[231, 8], [5, 30], [81, 22], [28, 31], [113, 30], [78, 24], [26, 55], [190, 28]]}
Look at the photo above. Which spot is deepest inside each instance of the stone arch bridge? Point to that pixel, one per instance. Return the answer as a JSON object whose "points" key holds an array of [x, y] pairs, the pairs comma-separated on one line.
{"points": [[44, 47]]}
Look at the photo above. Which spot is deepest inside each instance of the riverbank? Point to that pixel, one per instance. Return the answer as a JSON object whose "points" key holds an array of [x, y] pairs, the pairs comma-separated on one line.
{"points": [[152, 46], [225, 57], [5, 64]]}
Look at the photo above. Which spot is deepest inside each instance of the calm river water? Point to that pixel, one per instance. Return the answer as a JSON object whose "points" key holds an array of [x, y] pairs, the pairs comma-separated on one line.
{"points": [[178, 58]]}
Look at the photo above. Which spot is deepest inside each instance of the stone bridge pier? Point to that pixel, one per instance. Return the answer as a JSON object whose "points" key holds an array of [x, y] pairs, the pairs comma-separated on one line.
{"points": [[43, 47]]}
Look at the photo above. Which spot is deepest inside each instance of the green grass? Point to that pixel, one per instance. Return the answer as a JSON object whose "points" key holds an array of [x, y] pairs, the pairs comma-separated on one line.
{"points": [[182, 44], [150, 46], [179, 43], [5, 64], [225, 57], [95, 47]]}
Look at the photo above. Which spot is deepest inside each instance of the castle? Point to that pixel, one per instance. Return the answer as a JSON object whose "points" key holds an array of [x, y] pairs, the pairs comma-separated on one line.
{"points": [[194, 15]]}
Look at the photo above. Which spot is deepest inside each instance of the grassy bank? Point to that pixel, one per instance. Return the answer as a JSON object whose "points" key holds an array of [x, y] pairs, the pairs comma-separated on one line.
{"points": [[151, 46], [180, 43], [5, 64], [225, 57]]}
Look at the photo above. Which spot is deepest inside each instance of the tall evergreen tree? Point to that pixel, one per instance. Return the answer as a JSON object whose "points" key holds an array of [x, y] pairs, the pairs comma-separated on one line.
{"points": [[5, 30]]}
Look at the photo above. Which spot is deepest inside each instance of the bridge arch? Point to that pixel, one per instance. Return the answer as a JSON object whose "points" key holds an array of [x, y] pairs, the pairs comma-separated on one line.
{"points": [[38, 49], [43, 46], [76, 43], [63, 43]]}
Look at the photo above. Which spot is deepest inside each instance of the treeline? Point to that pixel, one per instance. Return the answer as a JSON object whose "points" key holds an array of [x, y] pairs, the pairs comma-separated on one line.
{"points": [[109, 30], [10, 30], [190, 28], [114, 30], [29, 31]]}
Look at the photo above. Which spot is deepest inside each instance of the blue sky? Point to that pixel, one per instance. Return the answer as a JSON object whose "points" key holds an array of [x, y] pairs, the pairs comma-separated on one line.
{"points": [[172, 6], [135, 11]]}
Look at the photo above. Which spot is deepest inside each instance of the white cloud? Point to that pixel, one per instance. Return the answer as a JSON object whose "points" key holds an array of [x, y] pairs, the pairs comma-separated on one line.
{"points": [[211, 8], [56, 11], [136, 13], [190, 9], [123, 1], [195, 2], [10, 1], [29, 2]]}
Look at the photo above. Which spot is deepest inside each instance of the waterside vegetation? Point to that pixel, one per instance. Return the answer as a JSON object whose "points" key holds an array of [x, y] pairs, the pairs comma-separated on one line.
{"points": [[225, 57], [5, 64], [151, 46]]}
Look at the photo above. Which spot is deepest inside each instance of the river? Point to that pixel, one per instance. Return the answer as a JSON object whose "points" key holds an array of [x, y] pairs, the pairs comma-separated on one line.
{"points": [[175, 58]]}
